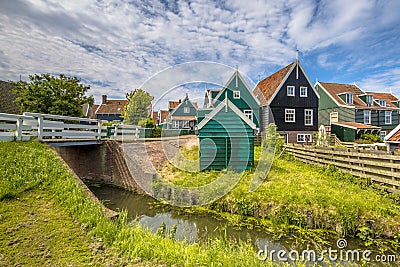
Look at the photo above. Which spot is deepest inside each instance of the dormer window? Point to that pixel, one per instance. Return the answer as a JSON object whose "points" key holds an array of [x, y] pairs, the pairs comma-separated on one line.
{"points": [[186, 110], [290, 91], [382, 102], [236, 94], [368, 100], [349, 98]]}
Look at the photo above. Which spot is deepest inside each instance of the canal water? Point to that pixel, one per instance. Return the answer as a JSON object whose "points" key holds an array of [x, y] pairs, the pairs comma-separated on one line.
{"points": [[193, 227]]}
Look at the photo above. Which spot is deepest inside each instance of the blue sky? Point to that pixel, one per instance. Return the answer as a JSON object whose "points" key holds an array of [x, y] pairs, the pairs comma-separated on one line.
{"points": [[116, 46]]}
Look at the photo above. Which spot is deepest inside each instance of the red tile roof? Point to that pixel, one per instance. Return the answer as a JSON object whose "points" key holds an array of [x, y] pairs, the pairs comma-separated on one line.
{"points": [[386, 96], [395, 137], [356, 125], [266, 88], [173, 104], [112, 107], [335, 89]]}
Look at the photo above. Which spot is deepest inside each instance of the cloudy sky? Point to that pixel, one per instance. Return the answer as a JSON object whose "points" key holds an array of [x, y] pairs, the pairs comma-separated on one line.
{"points": [[118, 45]]}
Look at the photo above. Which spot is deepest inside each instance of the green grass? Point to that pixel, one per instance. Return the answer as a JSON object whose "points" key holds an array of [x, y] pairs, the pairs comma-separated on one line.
{"points": [[312, 200], [33, 176]]}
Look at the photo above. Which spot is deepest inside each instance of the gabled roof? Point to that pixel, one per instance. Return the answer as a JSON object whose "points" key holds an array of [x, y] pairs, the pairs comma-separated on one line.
{"points": [[235, 75], [267, 89], [390, 98], [225, 104], [112, 107], [393, 136], [7, 97], [336, 89], [194, 104]]}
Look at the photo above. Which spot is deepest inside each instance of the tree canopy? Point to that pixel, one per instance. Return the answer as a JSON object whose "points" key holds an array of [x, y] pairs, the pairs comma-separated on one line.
{"points": [[47, 94], [139, 102]]}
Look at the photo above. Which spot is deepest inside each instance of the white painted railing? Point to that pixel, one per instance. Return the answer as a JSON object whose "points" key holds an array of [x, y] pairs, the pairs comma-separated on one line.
{"points": [[47, 127], [125, 132], [16, 127]]}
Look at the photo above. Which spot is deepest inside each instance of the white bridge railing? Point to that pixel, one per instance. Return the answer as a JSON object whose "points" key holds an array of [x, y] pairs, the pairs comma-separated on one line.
{"points": [[48, 127]]}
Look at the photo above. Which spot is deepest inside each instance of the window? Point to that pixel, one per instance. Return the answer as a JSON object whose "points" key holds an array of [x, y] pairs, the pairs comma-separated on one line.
{"points": [[186, 109], [308, 117], [388, 117], [368, 100], [248, 113], [382, 102], [303, 91], [334, 117], [176, 125], [290, 115], [290, 91], [304, 138], [382, 134], [185, 124], [349, 98], [367, 116], [236, 94]]}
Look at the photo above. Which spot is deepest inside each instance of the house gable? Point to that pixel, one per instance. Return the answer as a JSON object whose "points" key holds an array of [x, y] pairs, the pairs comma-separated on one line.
{"points": [[185, 105], [246, 99]]}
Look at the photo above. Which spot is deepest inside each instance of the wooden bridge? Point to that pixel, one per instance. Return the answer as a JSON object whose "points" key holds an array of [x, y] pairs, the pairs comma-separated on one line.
{"points": [[61, 130]]}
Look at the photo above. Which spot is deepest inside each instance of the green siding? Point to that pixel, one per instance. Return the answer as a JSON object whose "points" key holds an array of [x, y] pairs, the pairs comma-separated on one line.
{"points": [[179, 111], [345, 134], [231, 140], [246, 101], [327, 106]]}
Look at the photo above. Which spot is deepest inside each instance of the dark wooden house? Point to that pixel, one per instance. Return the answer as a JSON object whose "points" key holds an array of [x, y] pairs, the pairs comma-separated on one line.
{"points": [[288, 99]]}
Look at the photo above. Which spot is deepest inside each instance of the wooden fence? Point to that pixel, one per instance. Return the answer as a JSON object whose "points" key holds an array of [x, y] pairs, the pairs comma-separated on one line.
{"points": [[380, 166]]}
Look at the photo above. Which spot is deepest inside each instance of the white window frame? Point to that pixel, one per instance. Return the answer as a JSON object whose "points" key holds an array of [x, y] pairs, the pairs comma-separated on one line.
{"points": [[349, 98], [390, 117], [311, 115], [331, 115], [369, 116], [369, 99], [236, 94], [301, 138], [305, 91], [382, 102], [175, 124], [382, 134], [185, 124], [186, 110], [290, 87], [248, 113], [290, 111]]}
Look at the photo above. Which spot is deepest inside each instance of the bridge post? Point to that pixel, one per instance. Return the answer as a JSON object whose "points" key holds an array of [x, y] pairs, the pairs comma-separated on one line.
{"points": [[40, 128], [18, 132], [99, 129]]}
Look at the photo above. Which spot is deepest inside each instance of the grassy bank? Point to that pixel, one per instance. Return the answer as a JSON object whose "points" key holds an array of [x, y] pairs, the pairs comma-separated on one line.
{"points": [[304, 199], [47, 219]]}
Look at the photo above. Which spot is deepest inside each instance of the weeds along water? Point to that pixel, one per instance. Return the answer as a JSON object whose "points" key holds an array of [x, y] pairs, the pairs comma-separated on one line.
{"points": [[30, 165]]}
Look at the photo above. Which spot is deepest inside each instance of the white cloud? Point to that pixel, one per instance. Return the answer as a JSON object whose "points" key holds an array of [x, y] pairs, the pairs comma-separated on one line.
{"points": [[118, 45]]}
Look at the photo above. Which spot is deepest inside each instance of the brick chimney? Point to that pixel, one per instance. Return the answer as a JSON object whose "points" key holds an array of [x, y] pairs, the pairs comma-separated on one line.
{"points": [[103, 99]]}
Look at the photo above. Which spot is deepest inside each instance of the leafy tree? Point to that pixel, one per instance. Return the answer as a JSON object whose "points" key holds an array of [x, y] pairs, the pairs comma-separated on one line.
{"points": [[52, 95], [146, 123], [138, 105]]}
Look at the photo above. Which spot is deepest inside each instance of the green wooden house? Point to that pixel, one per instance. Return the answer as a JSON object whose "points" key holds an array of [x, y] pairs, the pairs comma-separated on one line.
{"points": [[227, 126], [182, 114], [350, 111]]}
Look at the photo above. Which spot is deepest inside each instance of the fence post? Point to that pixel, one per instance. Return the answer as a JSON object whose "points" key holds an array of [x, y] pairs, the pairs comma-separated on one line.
{"points": [[40, 128], [115, 131], [18, 132], [99, 129]]}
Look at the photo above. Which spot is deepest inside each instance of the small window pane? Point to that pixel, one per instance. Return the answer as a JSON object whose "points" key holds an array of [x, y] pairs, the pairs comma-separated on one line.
{"points": [[236, 94], [303, 91], [290, 91]]}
